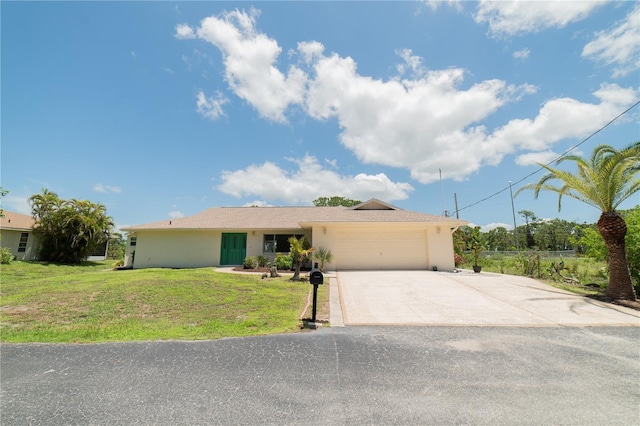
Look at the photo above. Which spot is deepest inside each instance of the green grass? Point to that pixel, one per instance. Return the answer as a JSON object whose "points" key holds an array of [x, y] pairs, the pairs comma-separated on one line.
{"points": [[91, 303], [538, 265]]}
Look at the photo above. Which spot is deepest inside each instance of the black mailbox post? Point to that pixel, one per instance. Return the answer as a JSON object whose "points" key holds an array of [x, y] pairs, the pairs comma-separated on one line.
{"points": [[315, 278]]}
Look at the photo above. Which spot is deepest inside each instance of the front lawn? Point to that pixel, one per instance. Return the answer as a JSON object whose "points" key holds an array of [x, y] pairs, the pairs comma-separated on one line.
{"points": [[43, 302]]}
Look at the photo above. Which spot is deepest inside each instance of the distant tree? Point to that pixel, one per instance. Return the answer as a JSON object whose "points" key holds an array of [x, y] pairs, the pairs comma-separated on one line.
{"points": [[3, 192], [604, 181], [69, 230], [300, 250], [498, 239], [593, 244], [335, 201], [554, 234], [529, 218], [117, 246]]}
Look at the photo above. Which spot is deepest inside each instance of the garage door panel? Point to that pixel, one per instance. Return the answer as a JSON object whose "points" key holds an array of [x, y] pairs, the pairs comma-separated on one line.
{"points": [[381, 250]]}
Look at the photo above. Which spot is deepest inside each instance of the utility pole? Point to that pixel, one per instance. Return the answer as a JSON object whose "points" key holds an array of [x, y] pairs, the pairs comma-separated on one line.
{"points": [[444, 213], [513, 210], [455, 198]]}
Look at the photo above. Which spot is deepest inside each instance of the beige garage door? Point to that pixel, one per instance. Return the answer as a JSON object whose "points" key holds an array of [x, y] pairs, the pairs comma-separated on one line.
{"points": [[381, 250]]}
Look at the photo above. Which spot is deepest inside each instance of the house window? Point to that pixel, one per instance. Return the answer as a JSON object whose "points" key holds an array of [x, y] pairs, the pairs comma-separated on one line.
{"points": [[133, 242], [22, 245], [278, 243]]}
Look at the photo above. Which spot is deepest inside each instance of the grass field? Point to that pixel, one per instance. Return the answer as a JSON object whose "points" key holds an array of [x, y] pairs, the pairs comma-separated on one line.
{"points": [[586, 276], [43, 302]]}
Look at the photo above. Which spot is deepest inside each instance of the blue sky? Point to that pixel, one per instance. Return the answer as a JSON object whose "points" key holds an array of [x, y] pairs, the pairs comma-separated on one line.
{"points": [[164, 109]]}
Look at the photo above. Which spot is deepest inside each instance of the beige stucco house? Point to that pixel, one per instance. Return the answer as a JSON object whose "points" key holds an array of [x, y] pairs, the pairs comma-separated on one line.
{"points": [[16, 233], [372, 235]]}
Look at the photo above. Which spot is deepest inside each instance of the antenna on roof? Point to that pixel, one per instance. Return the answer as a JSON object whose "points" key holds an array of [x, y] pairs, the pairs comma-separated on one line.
{"points": [[444, 212]]}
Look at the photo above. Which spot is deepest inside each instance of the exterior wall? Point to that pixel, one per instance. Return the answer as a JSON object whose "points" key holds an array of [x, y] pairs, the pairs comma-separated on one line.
{"points": [[255, 240], [191, 249], [440, 248], [174, 249], [10, 238], [354, 246]]}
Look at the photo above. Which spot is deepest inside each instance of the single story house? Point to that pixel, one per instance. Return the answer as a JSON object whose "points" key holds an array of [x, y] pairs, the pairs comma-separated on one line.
{"points": [[16, 234], [371, 235]]}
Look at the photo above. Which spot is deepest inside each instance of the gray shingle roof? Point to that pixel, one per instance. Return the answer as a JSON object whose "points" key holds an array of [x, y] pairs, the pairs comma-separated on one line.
{"points": [[17, 221], [289, 218]]}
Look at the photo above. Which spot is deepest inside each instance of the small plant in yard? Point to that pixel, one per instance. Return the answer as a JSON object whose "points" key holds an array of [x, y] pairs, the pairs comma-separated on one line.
{"points": [[262, 261], [250, 262], [283, 262], [300, 251], [5, 256], [457, 260], [477, 247], [323, 256]]}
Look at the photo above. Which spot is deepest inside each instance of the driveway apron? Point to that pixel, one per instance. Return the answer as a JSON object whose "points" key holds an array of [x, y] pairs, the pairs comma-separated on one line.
{"points": [[468, 299]]}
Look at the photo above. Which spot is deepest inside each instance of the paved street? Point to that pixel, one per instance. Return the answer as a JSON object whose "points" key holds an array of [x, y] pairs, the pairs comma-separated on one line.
{"points": [[350, 375]]}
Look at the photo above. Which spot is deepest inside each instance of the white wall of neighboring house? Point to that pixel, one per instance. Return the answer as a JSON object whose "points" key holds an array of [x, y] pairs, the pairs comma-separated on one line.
{"points": [[11, 238]]}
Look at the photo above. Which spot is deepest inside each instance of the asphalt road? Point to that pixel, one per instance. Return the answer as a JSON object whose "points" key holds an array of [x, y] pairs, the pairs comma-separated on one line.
{"points": [[351, 375]]}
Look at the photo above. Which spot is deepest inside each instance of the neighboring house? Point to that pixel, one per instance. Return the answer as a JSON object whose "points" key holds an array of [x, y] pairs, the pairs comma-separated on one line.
{"points": [[16, 233], [371, 235]]}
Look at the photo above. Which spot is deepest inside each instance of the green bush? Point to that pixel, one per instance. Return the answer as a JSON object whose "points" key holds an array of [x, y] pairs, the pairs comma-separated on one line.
{"points": [[5, 256], [250, 262], [117, 263], [262, 261], [283, 262]]}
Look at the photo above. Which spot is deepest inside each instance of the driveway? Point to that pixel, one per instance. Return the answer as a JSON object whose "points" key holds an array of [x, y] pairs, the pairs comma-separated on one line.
{"points": [[465, 298]]}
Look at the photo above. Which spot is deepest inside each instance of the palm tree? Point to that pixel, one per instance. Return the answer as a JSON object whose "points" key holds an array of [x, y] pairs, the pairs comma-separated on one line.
{"points": [[300, 252], [323, 256], [603, 181]]}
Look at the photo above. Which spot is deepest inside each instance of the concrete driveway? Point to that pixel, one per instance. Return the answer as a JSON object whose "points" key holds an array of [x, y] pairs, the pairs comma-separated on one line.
{"points": [[465, 298]]}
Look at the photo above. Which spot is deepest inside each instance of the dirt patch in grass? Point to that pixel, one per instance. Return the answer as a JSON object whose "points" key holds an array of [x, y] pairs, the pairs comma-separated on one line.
{"points": [[633, 304]]}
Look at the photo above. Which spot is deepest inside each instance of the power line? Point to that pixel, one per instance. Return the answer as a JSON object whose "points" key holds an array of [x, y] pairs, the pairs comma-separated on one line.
{"points": [[554, 160]]}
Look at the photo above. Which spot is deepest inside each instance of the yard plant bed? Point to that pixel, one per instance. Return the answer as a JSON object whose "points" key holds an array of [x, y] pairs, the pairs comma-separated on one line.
{"points": [[44, 302]]}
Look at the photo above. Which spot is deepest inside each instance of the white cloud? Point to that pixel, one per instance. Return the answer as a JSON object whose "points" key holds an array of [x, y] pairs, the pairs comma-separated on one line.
{"points": [[415, 124], [517, 17], [562, 118], [521, 54], [534, 158], [257, 203], [619, 45], [134, 54], [427, 122], [308, 182], [492, 226], [310, 51], [411, 62], [176, 214], [184, 31], [211, 106], [434, 4], [249, 59], [106, 189]]}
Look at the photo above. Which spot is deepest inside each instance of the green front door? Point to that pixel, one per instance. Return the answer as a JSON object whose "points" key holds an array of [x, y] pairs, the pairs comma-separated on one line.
{"points": [[234, 249]]}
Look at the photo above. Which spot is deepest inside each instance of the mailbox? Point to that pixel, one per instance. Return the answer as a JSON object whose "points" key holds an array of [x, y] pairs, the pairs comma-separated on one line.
{"points": [[316, 277]]}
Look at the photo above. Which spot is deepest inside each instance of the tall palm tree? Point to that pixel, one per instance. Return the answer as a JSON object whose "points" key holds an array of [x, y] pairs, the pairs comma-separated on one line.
{"points": [[603, 181]]}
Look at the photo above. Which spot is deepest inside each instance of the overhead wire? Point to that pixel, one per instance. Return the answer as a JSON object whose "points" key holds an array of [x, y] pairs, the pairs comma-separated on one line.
{"points": [[550, 162]]}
